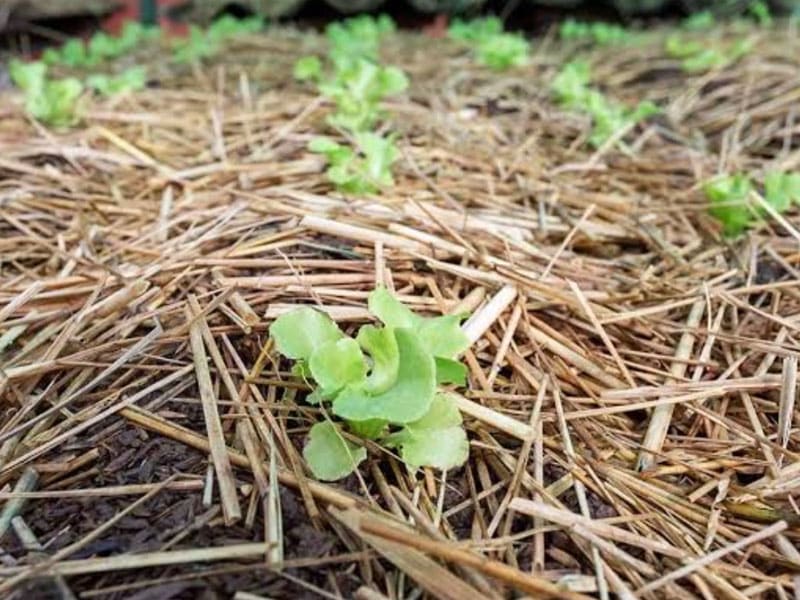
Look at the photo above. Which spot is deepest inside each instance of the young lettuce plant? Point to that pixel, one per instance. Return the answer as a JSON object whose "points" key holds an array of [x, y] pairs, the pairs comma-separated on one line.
{"points": [[382, 385], [602, 34], [571, 89], [51, 101], [728, 198], [492, 46], [365, 170], [130, 80]]}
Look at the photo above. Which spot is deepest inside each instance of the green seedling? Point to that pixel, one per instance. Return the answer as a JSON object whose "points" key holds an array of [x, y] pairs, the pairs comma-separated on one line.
{"points": [[51, 101], [729, 198], [200, 43], [101, 47], [363, 170], [129, 80], [572, 91], [698, 57], [700, 21], [381, 385], [602, 34], [491, 46], [357, 38], [759, 10]]}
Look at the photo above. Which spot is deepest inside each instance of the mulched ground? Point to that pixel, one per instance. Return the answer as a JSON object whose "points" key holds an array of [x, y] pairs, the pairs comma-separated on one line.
{"points": [[198, 192]]}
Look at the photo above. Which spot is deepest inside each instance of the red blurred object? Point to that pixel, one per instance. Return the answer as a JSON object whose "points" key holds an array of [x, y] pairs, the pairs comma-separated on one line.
{"points": [[129, 11], [438, 27]]}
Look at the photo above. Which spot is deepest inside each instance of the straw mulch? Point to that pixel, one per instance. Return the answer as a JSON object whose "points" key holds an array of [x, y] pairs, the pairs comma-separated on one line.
{"points": [[631, 411]]}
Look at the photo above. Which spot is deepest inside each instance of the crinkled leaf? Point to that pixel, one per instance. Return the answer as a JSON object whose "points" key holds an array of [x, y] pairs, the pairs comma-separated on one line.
{"points": [[336, 364], [389, 310], [329, 455], [407, 400], [442, 336], [299, 332], [449, 371], [381, 345], [436, 440]]}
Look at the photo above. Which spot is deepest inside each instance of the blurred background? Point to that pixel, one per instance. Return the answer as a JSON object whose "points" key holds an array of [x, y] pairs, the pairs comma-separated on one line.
{"points": [[49, 19]]}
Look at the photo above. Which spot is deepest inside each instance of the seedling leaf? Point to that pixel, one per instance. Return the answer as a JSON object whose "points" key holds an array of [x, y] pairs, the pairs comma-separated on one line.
{"points": [[329, 455]]}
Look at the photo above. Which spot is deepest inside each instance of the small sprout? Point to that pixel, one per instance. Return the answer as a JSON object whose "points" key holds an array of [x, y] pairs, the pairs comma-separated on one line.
{"points": [[364, 171], [602, 34], [492, 46], [728, 196], [51, 101], [700, 21], [382, 384], [130, 80], [571, 89], [759, 10]]}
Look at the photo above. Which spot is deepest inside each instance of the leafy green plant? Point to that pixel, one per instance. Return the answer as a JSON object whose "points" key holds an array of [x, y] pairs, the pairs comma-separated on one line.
{"points": [[699, 21], [101, 47], [129, 80], [728, 197], [200, 43], [358, 89], [382, 384], [363, 170], [493, 47], [697, 56], [571, 89], [602, 34], [357, 38], [759, 10], [51, 101]]}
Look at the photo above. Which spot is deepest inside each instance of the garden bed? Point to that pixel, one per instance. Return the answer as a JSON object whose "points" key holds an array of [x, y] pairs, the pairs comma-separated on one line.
{"points": [[632, 372]]}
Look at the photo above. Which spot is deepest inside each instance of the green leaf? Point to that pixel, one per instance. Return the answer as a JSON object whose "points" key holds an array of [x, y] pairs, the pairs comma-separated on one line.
{"points": [[410, 396], [308, 68], [389, 310], [73, 53], [329, 455], [130, 80], [28, 76], [501, 52], [336, 364], [436, 440], [450, 371], [781, 190], [371, 430], [299, 333], [474, 30], [379, 155], [441, 336], [381, 345], [728, 202]]}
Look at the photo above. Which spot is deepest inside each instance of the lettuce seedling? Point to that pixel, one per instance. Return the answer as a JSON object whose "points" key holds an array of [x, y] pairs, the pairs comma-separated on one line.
{"points": [[130, 80], [728, 198], [364, 170], [602, 34], [382, 384], [759, 10], [357, 37], [492, 47], [699, 21], [571, 89], [51, 101], [358, 89], [698, 57]]}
